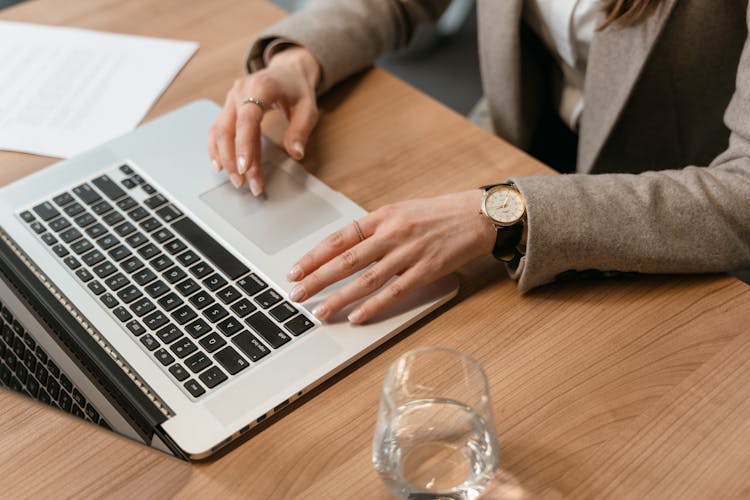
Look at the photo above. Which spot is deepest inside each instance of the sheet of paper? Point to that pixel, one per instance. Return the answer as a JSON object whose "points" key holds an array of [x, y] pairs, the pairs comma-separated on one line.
{"points": [[65, 90]]}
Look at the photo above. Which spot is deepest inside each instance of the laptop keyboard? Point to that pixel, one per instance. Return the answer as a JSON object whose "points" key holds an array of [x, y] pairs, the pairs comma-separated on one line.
{"points": [[26, 368], [199, 311]]}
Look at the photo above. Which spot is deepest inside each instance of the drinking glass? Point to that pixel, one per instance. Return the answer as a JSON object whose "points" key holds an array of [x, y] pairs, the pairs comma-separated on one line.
{"points": [[435, 435]]}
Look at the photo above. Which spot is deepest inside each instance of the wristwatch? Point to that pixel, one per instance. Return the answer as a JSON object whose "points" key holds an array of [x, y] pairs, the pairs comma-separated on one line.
{"points": [[504, 207]]}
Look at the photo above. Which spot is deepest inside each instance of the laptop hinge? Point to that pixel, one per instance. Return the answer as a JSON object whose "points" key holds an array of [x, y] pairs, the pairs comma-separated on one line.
{"points": [[117, 380]]}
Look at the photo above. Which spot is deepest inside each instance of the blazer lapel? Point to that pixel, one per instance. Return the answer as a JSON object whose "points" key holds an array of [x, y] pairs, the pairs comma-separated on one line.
{"points": [[616, 59]]}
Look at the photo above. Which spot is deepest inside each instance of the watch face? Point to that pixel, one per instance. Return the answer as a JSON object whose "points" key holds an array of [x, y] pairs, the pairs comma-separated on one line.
{"points": [[504, 205]]}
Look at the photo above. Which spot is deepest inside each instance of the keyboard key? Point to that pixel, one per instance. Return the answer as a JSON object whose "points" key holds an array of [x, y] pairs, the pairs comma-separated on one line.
{"points": [[135, 328], [49, 238], [110, 189], [252, 284], [155, 201], [170, 301], [108, 300], [243, 307], [92, 258], [200, 270], [129, 294], [27, 216], [137, 239], [37, 227], [156, 289], [184, 314], [116, 281], [144, 276], [229, 326], [46, 211], [73, 209], [155, 320], [212, 377], [126, 169], [163, 235], [62, 199], [215, 313], [138, 213], [142, 306], [161, 263], [212, 342], [87, 194], [131, 265], [267, 329], [250, 345], [169, 213], [96, 288], [183, 347], [71, 262], [104, 269], [60, 250], [91, 413], [76, 411], [59, 224], [164, 357], [214, 282], [150, 342], [169, 334], [188, 258], [119, 252], [210, 248], [66, 383], [283, 312], [70, 235], [150, 224], [175, 246], [149, 251], [125, 229], [53, 388], [298, 325], [53, 369], [197, 328], [137, 179], [127, 203], [107, 241], [148, 188], [129, 183], [197, 362], [65, 401], [228, 294], [122, 314], [112, 219], [174, 274], [201, 299], [194, 388], [101, 207], [268, 298], [84, 275], [187, 287], [85, 220], [231, 360], [179, 372]]}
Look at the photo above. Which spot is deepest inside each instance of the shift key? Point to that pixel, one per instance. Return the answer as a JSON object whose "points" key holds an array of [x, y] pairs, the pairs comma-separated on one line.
{"points": [[267, 329], [252, 347]]}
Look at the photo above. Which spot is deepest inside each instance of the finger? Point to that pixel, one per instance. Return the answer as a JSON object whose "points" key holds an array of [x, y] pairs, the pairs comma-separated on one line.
{"points": [[249, 116], [304, 118], [213, 152], [366, 283], [390, 294], [330, 247], [255, 180], [345, 264], [225, 132]]}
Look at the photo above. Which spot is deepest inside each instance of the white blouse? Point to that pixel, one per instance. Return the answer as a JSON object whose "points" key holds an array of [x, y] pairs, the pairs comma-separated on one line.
{"points": [[567, 27]]}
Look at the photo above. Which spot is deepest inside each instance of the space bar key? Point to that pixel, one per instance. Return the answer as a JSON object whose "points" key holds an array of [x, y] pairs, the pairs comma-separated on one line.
{"points": [[210, 248]]}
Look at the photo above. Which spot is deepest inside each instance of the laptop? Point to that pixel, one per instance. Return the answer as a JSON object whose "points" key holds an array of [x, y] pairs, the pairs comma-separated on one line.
{"points": [[142, 292]]}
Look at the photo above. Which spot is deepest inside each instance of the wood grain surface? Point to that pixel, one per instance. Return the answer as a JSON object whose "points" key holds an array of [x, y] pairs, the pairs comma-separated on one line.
{"points": [[621, 388]]}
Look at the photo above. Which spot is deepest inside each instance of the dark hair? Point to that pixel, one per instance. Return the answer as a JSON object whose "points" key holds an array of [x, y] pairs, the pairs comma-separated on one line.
{"points": [[628, 12]]}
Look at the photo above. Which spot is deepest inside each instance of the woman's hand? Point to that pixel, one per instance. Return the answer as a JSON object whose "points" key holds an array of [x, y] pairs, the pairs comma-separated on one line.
{"points": [[288, 83], [420, 240]]}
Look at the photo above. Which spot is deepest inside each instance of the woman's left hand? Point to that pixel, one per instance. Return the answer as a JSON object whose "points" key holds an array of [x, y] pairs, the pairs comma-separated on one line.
{"points": [[419, 240]]}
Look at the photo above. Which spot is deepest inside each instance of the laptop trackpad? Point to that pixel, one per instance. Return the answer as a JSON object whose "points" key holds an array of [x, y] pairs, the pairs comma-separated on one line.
{"points": [[285, 214]]}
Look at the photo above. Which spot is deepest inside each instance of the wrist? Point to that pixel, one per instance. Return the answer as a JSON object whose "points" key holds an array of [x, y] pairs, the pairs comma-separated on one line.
{"points": [[302, 59]]}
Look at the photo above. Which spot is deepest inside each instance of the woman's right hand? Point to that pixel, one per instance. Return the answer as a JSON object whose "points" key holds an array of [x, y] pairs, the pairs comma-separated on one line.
{"points": [[287, 83]]}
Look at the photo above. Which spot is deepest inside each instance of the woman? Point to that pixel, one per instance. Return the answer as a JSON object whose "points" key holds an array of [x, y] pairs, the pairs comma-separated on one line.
{"points": [[655, 92]]}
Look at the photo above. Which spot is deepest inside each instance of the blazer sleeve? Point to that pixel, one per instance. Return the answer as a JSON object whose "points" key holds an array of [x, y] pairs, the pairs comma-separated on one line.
{"points": [[693, 220], [346, 36]]}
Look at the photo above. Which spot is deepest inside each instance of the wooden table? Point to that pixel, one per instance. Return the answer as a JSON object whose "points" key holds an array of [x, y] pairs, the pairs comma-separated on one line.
{"points": [[626, 388]]}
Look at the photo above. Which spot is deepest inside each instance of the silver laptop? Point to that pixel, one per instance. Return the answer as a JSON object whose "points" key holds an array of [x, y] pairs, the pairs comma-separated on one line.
{"points": [[142, 292]]}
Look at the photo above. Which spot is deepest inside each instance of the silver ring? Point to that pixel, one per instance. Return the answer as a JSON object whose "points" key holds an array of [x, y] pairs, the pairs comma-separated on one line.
{"points": [[359, 231], [257, 102]]}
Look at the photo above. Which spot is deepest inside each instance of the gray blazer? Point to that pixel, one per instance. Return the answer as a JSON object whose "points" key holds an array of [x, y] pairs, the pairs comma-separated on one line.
{"points": [[666, 125]]}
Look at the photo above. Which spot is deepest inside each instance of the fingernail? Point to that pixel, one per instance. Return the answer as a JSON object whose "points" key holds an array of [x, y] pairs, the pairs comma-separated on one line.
{"points": [[297, 294], [255, 187], [216, 165], [242, 165], [355, 316], [299, 148], [294, 273], [320, 311], [237, 180]]}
